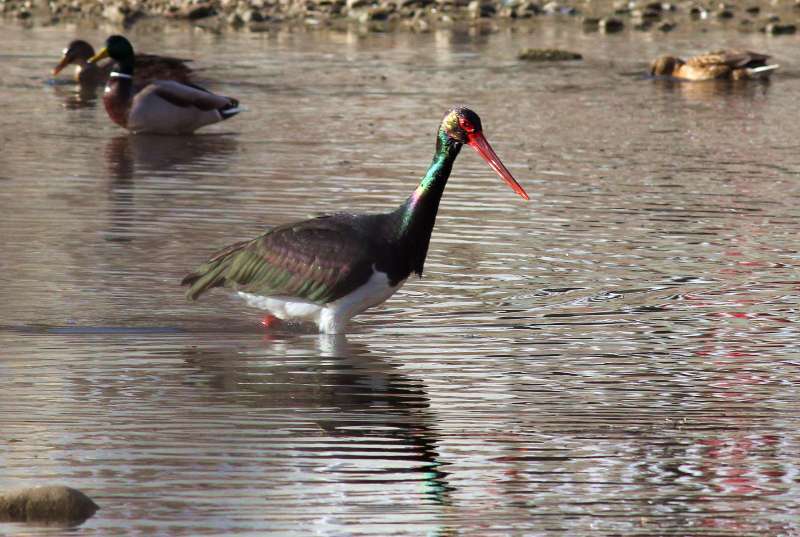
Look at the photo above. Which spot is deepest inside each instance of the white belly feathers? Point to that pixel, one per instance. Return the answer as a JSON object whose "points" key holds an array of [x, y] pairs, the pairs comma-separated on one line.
{"points": [[331, 318]]}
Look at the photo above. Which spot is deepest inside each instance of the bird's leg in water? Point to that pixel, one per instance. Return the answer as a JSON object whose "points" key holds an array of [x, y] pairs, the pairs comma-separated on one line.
{"points": [[270, 321]]}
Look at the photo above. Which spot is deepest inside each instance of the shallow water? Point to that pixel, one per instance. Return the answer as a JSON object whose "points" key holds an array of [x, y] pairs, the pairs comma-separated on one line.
{"points": [[617, 356]]}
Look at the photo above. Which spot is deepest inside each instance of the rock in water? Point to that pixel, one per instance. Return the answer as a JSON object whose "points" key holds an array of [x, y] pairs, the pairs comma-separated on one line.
{"points": [[46, 504], [547, 55]]}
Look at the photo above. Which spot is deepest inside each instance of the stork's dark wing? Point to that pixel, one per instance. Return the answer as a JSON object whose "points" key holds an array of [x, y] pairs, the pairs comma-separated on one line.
{"points": [[319, 260]]}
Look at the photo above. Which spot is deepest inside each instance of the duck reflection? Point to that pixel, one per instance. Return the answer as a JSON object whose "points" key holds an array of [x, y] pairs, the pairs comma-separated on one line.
{"points": [[348, 392], [75, 96], [714, 90], [127, 156]]}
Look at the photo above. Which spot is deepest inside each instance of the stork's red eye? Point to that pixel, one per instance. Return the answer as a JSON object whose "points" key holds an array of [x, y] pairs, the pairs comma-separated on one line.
{"points": [[465, 124]]}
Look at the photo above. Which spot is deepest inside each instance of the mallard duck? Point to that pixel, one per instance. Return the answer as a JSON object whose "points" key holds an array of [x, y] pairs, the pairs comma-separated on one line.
{"points": [[161, 107], [719, 65], [149, 67]]}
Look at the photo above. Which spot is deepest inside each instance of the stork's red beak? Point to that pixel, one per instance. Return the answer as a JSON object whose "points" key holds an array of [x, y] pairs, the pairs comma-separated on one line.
{"points": [[480, 144]]}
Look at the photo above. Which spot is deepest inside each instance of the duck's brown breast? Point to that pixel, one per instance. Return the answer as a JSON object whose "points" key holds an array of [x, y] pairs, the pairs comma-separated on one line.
{"points": [[117, 101]]}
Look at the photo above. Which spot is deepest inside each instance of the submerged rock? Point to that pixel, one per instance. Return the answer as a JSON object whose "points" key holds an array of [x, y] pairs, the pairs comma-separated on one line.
{"points": [[780, 29], [46, 504], [547, 55], [611, 25]]}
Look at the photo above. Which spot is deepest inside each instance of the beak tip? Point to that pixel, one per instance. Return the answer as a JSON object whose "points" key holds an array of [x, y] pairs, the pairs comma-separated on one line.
{"points": [[481, 145]]}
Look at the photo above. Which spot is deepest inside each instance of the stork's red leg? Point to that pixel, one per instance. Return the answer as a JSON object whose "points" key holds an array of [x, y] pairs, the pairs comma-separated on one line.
{"points": [[270, 321]]}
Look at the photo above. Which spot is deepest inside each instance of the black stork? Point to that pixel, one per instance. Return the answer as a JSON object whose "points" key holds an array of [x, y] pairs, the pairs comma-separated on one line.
{"points": [[330, 268]]}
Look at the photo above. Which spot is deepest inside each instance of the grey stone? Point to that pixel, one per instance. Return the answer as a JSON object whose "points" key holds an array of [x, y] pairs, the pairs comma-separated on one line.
{"points": [[46, 504]]}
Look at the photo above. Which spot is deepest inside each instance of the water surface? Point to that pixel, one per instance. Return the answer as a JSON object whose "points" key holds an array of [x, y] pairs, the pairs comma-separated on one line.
{"points": [[616, 357]]}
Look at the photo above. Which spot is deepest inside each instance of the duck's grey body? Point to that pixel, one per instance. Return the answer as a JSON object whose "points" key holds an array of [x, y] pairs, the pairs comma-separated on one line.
{"points": [[161, 107], [168, 107]]}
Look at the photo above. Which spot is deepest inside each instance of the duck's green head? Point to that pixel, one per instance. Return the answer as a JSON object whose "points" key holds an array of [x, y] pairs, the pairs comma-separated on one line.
{"points": [[117, 48]]}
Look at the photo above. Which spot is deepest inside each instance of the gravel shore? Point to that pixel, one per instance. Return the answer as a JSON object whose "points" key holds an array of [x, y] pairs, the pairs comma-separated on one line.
{"points": [[418, 15]]}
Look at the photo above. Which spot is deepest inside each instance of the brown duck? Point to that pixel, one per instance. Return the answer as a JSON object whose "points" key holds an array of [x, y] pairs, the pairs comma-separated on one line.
{"points": [[149, 67], [161, 107], [719, 65]]}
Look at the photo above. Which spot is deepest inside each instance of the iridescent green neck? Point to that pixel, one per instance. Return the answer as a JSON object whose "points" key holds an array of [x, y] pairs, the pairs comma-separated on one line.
{"points": [[415, 218], [423, 203]]}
